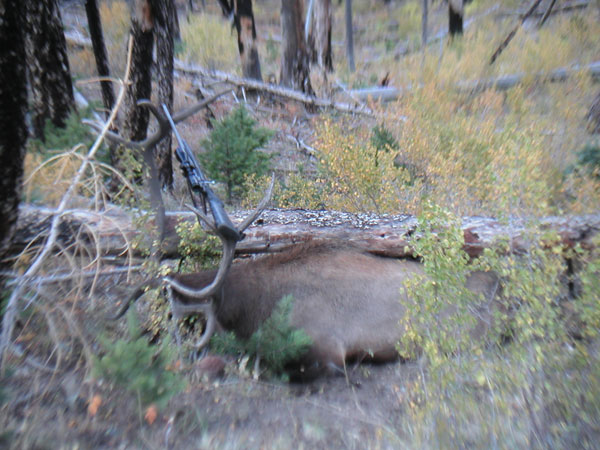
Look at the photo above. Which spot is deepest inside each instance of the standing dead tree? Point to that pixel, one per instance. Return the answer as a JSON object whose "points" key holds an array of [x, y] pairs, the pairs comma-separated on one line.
{"points": [[100, 54], [13, 128], [47, 65], [240, 12], [295, 67], [165, 13], [455, 17], [349, 36], [318, 34]]}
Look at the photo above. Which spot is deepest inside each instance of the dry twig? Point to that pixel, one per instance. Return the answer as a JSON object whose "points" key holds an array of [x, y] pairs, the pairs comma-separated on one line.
{"points": [[8, 321]]}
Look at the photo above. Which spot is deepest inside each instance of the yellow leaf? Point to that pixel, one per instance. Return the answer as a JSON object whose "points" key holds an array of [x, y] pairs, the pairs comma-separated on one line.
{"points": [[481, 380]]}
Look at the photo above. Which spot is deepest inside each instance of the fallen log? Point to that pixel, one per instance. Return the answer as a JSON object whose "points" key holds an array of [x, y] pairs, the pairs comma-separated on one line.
{"points": [[113, 231], [501, 83]]}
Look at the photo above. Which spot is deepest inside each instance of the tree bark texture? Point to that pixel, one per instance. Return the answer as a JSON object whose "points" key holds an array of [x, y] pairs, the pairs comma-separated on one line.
{"points": [[48, 65], [240, 11], [295, 66], [135, 124], [455, 17], [319, 34], [349, 36], [243, 19], [100, 54], [164, 13], [390, 235], [13, 129]]}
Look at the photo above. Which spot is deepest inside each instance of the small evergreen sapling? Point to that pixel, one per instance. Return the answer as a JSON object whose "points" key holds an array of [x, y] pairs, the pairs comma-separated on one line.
{"points": [[276, 341], [139, 367], [232, 151]]}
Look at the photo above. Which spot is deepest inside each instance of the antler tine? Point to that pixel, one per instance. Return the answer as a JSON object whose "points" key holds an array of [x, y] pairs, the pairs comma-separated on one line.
{"points": [[211, 289], [182, 115], [164, 128], [263, 203], [210, 223]]}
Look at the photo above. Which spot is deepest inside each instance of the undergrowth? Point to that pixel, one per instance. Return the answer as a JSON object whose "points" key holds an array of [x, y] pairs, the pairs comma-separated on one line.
{"points": [[534, 380], [139, 367]]}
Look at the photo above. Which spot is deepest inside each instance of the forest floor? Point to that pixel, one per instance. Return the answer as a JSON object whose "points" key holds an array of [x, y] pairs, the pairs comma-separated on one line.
{"points": [[53, 401]]}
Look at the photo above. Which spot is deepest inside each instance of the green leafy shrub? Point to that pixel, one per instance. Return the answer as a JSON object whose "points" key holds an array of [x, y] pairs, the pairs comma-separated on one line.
{"points": [[588, 160], [232, 151], [276, 342], [139, 367], [541, 387]]}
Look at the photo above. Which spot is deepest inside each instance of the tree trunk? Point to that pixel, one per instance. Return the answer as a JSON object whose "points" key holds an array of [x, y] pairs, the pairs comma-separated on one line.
{"points": [[97, 38], [319, 34], [349, 36], [295, 68], [135, 124], [455, 17], [13, 129], [164, 13], [243, 20], [593, 117], [424, 19], [48, 65]]}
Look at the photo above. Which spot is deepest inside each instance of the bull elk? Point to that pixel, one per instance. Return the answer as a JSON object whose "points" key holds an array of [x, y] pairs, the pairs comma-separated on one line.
{"points": [[348, 301]]}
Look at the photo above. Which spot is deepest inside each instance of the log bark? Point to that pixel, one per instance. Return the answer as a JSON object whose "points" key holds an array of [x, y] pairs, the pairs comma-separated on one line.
{"points": [[308, 100], [277, 230], [502, 83]]}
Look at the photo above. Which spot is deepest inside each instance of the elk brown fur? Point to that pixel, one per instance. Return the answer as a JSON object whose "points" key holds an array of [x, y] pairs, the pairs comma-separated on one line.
{"points": [[348, 301]]}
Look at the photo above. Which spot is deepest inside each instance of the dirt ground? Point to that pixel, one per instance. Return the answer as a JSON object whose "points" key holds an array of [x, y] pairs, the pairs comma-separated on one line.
{"points": [[53, 410]]}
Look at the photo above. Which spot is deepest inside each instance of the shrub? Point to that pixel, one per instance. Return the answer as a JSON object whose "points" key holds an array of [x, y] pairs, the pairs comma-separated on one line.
{"points": [[541, 387], [139, 367], [232, 151], [275, 342], [588, 161]]}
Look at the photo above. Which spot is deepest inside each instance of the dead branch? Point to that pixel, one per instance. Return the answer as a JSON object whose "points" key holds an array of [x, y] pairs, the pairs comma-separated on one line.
{"points": [[513, 32], [546, 14], [8, 321], [564, 8], [502, 83], [272, 89]]}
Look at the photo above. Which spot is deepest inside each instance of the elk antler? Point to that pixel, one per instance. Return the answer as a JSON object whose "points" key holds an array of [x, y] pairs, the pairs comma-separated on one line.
{"points": [[228, 250], [163, 124], [179, 308]]}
